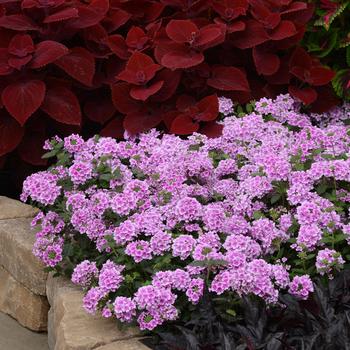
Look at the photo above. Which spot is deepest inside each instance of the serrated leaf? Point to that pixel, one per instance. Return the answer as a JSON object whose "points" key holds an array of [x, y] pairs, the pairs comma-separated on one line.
{"points": [[49, 154]]}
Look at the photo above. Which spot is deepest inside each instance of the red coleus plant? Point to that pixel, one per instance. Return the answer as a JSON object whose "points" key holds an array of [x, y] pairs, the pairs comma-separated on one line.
{"points": [[113, 65]]}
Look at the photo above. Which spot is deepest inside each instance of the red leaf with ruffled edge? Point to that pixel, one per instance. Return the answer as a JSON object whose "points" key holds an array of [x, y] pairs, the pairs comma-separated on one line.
{"points": [[266, 63], [141, 121], [211, 129], [171, 81], [208, 109], [62, 15], [116, 18], [306, 95], [326, 99], [284, 30], [253, 35], [100, 109], [46, 52], [178, 56], [183, 124], [228, 78], [144, 92], [136, 38], [230, 9], [263, 14], [210, 36], [21, 45], [5, 68], [181, 31], [18, 63], [62, 105], [31, 148], [139, 70], [79, 63], [91, 14], [11, 134], [320, 76], [113, 129], [18, 22], [23, 98], [122, 100], [118, 46], [300, 58]]}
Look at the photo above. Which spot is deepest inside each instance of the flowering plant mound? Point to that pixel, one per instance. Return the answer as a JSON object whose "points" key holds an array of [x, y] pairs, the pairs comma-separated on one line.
{"points": [[147, 225]]}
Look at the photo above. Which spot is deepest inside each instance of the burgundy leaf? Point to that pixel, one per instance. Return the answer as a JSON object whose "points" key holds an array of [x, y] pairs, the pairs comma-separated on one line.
{"points": [[78, 63], [21, 45], [31, 148], [208, 108], [5, 68], [181, 57], [284, 30], [18, 63], [17, 22], [139, 70], [171, 81], [91, 14], [228, 78], [47, 52], [266, 63], [141, 121], [23, 98], [99, 109], [113, 129], [320, 76], [183, 125], [144, 92], [11, 134], [62, 15], [306, 95], [181, 31], [254, 34], [122, 100], [118, 45], [62, 105], [211, 129]]}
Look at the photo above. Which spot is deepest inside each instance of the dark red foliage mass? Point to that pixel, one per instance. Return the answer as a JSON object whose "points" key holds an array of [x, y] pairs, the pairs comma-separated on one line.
{"points": [[113, 65]]}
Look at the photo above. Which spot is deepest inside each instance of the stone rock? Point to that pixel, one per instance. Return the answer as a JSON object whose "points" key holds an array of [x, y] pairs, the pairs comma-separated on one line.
{"points": [[130, 344], [29, 309], [11, 209], [71, 327], [16, 243]]}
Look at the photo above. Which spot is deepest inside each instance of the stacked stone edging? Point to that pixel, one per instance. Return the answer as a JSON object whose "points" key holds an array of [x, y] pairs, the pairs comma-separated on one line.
{"points": [[40, 302], [70, 327], [22, 278]]}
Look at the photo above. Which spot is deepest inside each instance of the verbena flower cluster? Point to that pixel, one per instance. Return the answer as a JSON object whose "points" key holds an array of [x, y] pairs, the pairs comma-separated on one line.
{"points": [[262, 209]]}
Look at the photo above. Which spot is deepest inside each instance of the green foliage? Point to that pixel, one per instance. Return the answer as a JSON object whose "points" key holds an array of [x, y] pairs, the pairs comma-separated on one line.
{"points": [[328, 37]]}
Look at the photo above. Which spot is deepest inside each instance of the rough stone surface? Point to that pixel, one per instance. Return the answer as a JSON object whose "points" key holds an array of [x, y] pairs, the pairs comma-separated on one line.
{"points": [[29, 309], [16, 243], [11, 209], [131, 344], [71, 327], [15, 337]]}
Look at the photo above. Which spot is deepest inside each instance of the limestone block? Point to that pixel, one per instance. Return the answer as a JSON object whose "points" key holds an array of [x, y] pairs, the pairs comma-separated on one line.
{"points": [[11, 209], [29, 309], [71, 327], [16, 243]]}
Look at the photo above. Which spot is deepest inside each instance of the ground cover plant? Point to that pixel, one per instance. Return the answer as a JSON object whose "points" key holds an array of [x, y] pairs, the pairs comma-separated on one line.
{"points": [[150, 226], [328, 38], [108, 66]]}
